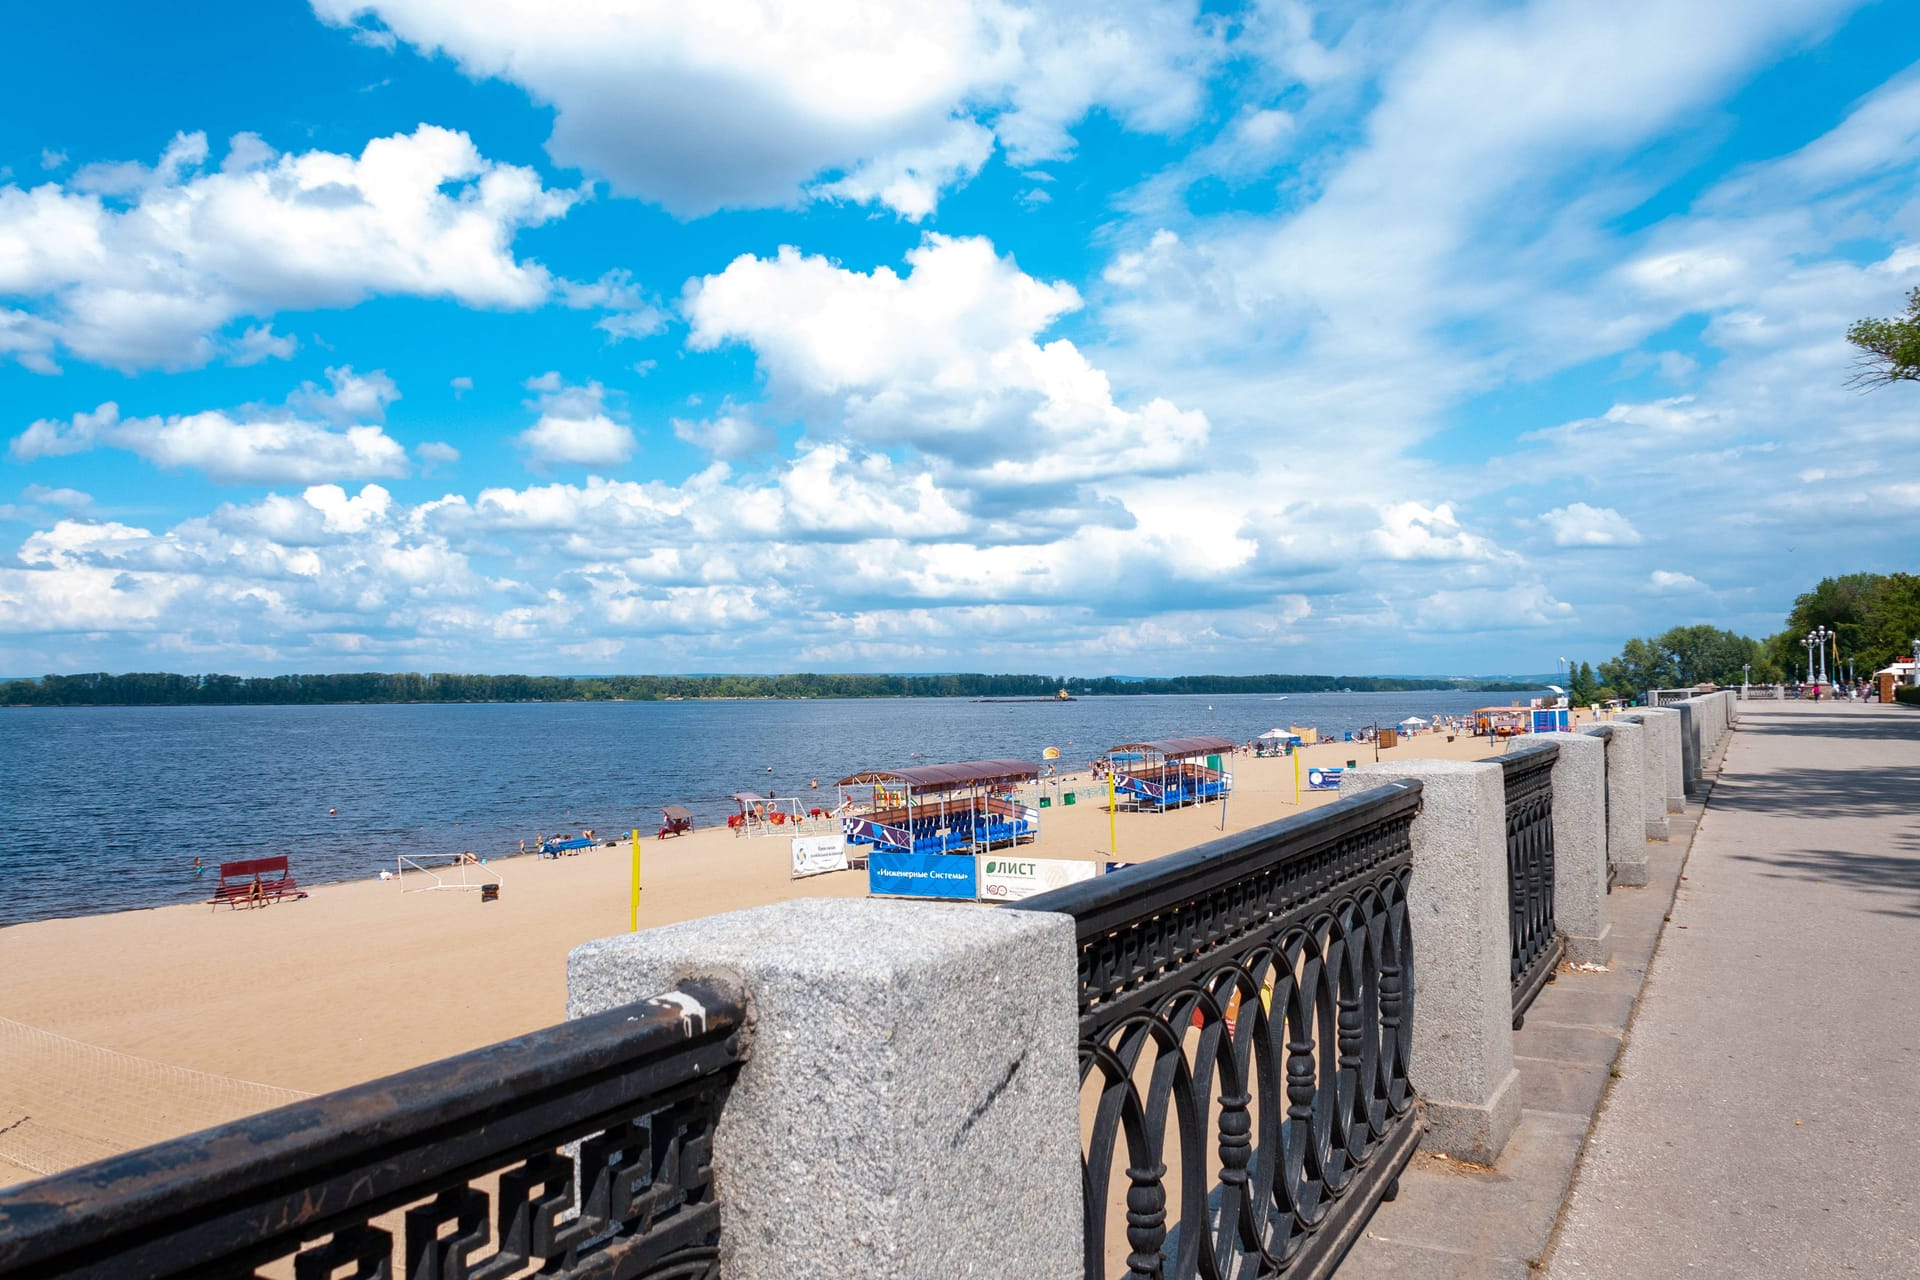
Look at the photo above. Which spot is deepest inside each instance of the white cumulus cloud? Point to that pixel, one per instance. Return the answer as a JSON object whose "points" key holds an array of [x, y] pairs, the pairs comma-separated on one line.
{"points": [[139, 267], [1415, 531], [1580, 525], [741, 103], [947, 359], [1667, 582], [349, 396], [732, 433], [574, 428], [318, 435]]}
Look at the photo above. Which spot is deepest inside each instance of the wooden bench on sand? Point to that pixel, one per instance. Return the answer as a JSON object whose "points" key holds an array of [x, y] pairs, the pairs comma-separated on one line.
{"points": [[255, 882]]}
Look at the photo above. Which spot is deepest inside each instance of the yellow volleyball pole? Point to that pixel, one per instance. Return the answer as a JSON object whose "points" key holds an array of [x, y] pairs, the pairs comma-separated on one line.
{"points": [[1296, 774], [633, 914], [1113, 828]]}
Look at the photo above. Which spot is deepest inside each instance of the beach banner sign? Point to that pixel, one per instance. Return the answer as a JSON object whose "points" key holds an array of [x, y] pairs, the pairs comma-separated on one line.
{"points": [[1011, 879], [1550, 719], [1324, 779], [922, 875], [817, 855]]}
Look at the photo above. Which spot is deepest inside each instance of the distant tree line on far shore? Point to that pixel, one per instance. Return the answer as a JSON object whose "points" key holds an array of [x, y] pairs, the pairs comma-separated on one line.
{"points": [[160, 689], [1874, 617]]}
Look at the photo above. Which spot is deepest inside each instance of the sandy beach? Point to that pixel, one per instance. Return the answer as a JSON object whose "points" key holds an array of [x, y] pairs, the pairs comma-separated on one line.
{"points": [[362, 979]]}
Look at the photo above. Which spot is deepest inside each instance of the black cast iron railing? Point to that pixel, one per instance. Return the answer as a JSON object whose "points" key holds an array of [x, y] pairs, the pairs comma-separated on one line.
{"points": [[475, 1156], [1604, 732], [1537, 944], [1246, 1023]]}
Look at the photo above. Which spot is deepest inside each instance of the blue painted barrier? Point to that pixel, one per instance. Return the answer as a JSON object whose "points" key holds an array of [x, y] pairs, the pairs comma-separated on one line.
{"points": [[922, 875]]}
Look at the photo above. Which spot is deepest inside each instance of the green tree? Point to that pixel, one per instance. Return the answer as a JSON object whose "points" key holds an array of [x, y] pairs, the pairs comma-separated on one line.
{"points": [[1840, 604], [1889, 349], [1708, 655], [1642, 665], [1891, 620]]}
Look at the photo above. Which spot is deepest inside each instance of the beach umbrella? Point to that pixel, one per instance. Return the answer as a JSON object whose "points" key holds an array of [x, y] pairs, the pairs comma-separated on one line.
{"points": [[1273, 734], [1413, 721]]}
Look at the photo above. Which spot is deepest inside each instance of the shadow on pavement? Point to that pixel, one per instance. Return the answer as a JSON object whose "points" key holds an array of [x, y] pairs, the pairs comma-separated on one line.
{"points": [[1853, 722], [1877, 791], [1892, 874]]}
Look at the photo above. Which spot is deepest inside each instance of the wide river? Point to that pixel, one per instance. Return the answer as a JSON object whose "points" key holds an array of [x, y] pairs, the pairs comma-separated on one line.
{"points": [[105, 808]]}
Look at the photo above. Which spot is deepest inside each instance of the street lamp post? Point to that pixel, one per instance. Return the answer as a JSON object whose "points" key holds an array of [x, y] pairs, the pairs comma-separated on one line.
{"points": [[1915, 673], [1817, 640]]}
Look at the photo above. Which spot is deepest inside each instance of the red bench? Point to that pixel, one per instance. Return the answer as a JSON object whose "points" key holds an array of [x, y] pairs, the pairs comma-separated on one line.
{"points": [[255, 882]]}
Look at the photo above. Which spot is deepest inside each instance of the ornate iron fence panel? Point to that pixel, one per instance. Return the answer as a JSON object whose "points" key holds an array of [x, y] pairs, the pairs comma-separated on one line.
{"points": [[1246, 1024], [1537, 944], [580, 1150], [1605, 734]]}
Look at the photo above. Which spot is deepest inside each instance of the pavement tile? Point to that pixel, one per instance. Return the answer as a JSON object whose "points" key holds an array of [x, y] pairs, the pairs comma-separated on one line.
{"points": [[1543, 1039], [1406, 1261], [1504, 1212], [1571, 1088], [1584, 1000]]}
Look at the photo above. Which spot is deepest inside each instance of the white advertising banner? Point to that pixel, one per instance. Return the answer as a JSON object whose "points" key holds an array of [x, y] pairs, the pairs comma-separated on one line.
{"points": [[816, 855], [1004, 879]]}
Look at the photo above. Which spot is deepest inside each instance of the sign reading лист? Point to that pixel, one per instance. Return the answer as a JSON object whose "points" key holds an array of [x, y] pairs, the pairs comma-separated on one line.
{"points": [[1011, 879]]}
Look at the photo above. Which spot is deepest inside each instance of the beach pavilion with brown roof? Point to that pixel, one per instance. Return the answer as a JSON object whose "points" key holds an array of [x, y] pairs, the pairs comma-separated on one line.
{"points": [[1170, 772], [939, 808]]}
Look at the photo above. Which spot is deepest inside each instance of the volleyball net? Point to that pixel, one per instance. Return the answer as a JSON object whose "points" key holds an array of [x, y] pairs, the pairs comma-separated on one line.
{"points": [[64, 1102], [442, 871]]}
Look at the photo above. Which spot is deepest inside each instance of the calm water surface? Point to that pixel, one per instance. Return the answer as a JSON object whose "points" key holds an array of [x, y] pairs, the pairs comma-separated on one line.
{"points": [[105, 808]]}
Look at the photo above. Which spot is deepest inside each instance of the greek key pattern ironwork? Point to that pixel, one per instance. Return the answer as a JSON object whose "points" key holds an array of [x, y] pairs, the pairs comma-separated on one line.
{"points": [[1537, 943], [1246, 1028], [581, 1150]]}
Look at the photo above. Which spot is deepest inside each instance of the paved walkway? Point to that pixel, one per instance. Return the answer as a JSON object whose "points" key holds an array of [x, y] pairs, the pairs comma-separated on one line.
{"points": [[1464, 1222], [1766, 1118], [1784, 988]]}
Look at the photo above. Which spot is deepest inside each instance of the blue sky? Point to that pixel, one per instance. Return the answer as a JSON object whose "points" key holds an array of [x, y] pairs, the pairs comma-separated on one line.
{"points": [[975, 335]]}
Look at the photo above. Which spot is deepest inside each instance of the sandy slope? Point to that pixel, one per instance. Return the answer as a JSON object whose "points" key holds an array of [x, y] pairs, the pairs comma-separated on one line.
{"points": [[363, 979]]}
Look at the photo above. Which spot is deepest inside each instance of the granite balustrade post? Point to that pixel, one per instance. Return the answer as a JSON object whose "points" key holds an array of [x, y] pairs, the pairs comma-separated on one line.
{"points": [[1691, 717], [1580, 847], [911, 1103], [1665, 722], [1653, 770], [1628, 814], [1457, 908]]}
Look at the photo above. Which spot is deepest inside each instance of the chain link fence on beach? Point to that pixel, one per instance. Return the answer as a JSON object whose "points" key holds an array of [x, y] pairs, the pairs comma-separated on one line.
{"points": [[64, 1102]]}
